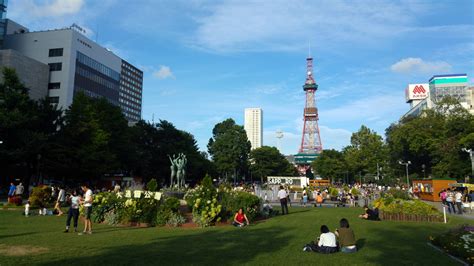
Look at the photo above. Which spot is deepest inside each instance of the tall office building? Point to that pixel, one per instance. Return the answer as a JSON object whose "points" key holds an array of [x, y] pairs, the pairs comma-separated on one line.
{"points": [[3, 14], [78, 64], [253, 126]]}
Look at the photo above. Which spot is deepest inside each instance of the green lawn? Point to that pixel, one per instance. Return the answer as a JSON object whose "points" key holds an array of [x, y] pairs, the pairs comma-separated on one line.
{"points": [[278, 241]]}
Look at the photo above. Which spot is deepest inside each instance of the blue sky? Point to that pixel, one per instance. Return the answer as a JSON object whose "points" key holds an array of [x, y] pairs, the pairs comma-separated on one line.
{"points": [[205, 61]]}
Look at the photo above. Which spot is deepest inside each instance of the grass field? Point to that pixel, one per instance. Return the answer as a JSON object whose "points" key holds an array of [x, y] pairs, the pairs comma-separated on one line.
{"points": [[277, 241]]}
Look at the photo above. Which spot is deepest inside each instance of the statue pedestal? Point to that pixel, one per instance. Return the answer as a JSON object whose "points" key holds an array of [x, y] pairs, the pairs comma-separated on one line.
{"points": [[175, 194]]}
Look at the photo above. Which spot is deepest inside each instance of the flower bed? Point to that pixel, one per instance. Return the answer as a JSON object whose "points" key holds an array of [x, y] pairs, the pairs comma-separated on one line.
{"points": [[458, 242], [210, 206], [143, 209], [392, 208]]}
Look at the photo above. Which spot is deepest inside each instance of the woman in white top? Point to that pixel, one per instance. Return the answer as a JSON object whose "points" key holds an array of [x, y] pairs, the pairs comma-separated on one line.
{"points": [[326, 242]]}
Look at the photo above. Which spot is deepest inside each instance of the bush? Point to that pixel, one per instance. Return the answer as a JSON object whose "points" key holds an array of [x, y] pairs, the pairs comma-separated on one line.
{"points": [[390, 205], [168, 211], [232, 201], [15, 200], [40, 197], [355, 191], [203, 200], [152, 185], [397, 194], [175, 220]]}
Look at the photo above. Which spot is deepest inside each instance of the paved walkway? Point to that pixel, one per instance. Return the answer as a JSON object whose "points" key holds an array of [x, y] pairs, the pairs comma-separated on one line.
{"points": [[439, 206]]}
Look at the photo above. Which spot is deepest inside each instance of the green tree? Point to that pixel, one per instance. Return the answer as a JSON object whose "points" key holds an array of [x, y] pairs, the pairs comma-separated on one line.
{"points": [[268, 161], [367, 150], [154, 142], [331, 165], [86, 147], [435, 139], [26, 128], [229, 148]]}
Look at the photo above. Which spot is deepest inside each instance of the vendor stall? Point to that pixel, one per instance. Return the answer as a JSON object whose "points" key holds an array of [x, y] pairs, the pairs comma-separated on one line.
{"points": [[429, 189]]}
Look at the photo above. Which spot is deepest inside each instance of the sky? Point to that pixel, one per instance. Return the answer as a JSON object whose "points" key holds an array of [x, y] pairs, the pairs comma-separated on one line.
{"points": [[206, 61]]}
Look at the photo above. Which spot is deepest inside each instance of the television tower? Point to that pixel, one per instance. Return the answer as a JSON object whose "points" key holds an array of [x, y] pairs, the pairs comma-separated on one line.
{"points": [[311, 145]]}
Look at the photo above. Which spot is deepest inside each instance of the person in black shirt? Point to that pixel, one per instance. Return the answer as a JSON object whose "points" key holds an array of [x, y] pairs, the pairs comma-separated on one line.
{"points": [[369, 214]]}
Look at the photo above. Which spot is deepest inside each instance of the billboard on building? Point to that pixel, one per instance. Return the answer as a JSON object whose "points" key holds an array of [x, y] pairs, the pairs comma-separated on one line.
{"points": [[417, 91]]}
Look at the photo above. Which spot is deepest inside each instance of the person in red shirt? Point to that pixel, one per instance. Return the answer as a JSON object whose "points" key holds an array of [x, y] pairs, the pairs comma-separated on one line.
{"points": [[240, 219]]}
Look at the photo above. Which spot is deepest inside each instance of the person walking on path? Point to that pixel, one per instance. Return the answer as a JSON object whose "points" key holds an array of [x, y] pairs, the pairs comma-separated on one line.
{"points": [[60, 201], [19, 190], [88, 198], [11, 191], [73, 212], [450, 200], [283, 200], [442, 196], [458, 199]]}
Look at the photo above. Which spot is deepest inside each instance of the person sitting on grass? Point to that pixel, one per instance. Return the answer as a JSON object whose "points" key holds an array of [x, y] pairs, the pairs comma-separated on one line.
{"points": [[346, 237], [240, 219], [369, 214], [326, 242]]}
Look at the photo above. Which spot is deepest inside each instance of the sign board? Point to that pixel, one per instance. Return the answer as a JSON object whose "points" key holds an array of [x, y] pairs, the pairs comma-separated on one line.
{"points": [[300, 181], [303, 158], [417, 91]]}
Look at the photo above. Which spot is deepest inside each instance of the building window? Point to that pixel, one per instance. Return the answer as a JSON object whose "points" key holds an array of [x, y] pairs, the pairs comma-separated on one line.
{"points": [[55, 52], [54, 100], [54, 86], [55, 66]]}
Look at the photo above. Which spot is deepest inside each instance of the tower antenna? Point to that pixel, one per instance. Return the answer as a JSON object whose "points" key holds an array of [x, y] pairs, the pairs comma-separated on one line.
{"points": [[309, 49]]}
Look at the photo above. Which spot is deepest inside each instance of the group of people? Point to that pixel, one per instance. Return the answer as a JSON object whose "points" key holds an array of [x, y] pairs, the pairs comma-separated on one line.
{"points": [[15, 190], [343, 239], [74, 200], [454, 199]]}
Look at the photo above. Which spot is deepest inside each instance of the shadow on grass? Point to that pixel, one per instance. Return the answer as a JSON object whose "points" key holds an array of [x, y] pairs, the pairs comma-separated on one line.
{"points": [[206, 247], [15, 235], [360, 243], [403, 244]]}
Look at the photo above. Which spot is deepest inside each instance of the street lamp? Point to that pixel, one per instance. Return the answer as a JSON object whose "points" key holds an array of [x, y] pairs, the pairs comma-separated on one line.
{"points": [[471, 154], [406, 167], [423, 166]]}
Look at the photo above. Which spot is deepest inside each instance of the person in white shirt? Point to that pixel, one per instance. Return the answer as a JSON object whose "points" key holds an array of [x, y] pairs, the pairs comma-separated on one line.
{"points": [[458, 199], [450, 200], [326, 242], [283, 200], [60, 201], [27, 209], [73, 212], [87, 202], [19, 189]]}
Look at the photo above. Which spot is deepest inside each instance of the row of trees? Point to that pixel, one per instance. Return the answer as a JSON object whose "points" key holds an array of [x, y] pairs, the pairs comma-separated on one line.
{"points": [[231, 154], [432, 142], [92, 138], [88, 140]]}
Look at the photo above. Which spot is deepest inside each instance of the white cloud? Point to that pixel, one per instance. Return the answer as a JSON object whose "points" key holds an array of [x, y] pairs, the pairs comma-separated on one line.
{"points": [[418, 65], [280, 25], [54, 8], [163, 72]]}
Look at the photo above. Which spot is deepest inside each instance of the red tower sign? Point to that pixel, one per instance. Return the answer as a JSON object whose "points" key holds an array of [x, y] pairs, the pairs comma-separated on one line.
{"points": [[311, 145]]}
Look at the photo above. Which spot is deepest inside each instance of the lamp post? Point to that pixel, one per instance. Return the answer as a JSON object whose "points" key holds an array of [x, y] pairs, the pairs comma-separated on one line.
{"points": [[406, 167], [471, 154], [423, 166]]}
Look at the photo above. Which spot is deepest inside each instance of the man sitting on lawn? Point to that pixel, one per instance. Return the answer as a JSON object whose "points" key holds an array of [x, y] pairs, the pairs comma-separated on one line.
{"points": [[369, 214]]}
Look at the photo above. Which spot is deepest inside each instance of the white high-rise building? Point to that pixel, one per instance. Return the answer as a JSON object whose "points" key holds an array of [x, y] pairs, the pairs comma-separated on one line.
{"points": [[253, 125], [78, 64]]}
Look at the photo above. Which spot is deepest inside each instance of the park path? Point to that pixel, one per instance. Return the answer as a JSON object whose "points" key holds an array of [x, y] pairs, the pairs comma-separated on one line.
{"points": [[439, 206]]}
